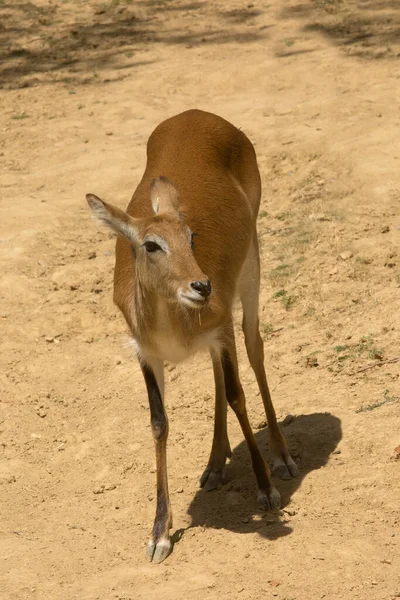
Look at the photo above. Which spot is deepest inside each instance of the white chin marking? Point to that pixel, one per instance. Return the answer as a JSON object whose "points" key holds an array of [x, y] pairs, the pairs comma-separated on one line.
{"points": [[192, 303]]}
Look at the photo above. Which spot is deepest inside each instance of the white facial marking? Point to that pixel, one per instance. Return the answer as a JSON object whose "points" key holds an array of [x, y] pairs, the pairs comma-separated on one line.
{"points": [[157, 240]]}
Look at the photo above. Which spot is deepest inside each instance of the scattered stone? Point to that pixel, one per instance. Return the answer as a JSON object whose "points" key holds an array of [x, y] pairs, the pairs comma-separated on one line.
{"points": [[390, 262], [104, 488], [385, 229], [396, 453], [7, 479], [41, 413], [128, 467], [365, 260], [287, 420], [92, 255], [270, 519], [261, 425], [333, 271], [53, 338], [346, 255], [311, 361], [319, 217]]}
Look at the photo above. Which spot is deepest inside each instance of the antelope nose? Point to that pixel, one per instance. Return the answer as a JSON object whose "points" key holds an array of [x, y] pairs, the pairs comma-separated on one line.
{"points": [[202, 287]]}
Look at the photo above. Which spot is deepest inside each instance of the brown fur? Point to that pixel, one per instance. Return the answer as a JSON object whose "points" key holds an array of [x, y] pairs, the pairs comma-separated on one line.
{"points": [[201, 177], [201, 154]]}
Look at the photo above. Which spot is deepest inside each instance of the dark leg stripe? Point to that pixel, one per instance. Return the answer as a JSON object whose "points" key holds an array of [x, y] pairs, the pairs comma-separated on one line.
{"points": [[157, 412], [231, 383]]}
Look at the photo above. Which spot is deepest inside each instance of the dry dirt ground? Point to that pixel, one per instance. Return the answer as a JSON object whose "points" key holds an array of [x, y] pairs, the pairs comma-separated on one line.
{"points": [[316, 86]]}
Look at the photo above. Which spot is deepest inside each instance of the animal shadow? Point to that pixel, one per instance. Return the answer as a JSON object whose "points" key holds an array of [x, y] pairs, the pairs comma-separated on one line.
{"points": [[311, 440]]}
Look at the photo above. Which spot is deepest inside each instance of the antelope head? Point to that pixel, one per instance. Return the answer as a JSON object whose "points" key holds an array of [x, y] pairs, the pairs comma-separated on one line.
{"points": [[162, 245]]}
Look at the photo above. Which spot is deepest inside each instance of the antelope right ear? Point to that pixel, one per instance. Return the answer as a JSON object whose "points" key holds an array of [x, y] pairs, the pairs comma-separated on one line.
{"points": [[164, 196], [113, 217]]}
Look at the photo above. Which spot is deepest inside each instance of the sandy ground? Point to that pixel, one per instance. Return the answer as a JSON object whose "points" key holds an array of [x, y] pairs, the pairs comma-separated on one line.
{"points": [[316, 86]]}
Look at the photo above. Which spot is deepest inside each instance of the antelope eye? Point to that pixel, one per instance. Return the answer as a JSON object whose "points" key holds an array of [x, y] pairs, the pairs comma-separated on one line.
{"points": [[151, 246]]}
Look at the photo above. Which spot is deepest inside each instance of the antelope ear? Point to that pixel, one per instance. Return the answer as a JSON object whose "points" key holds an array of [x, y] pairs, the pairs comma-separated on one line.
{"points": [[115, 218], [164, 196]]}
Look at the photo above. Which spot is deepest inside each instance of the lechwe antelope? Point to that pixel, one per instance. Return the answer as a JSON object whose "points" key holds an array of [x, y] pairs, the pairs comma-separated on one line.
{"points": [[186, 245]]}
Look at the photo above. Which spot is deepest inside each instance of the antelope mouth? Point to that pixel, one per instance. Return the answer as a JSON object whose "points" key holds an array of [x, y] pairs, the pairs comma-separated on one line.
{"points": [[194, 301]]}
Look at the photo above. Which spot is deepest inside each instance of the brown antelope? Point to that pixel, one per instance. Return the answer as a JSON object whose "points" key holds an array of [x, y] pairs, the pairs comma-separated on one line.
{"points": [[186, 245]]}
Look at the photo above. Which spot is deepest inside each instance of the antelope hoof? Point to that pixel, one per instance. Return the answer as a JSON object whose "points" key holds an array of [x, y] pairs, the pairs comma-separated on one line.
{"points": [[270, 500], [285, 468], [211, 478], [158, 551]]}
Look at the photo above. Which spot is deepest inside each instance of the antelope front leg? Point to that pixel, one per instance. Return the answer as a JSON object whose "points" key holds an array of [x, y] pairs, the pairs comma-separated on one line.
{"points": [[221, 450], [159, 545]]}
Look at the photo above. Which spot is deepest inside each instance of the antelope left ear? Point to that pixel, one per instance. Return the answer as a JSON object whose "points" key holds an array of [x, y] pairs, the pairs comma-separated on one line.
{"points": [[115, 218], [164, 196]]}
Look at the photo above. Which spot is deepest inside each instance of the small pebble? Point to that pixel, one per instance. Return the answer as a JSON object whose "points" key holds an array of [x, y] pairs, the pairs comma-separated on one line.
{"points": [[287, 420], [291, 512]]}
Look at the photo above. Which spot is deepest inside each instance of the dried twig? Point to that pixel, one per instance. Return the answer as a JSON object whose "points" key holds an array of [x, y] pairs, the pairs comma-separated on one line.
{"points": [[276, 385], [34, 40], [390, 361], [277, 331]]}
